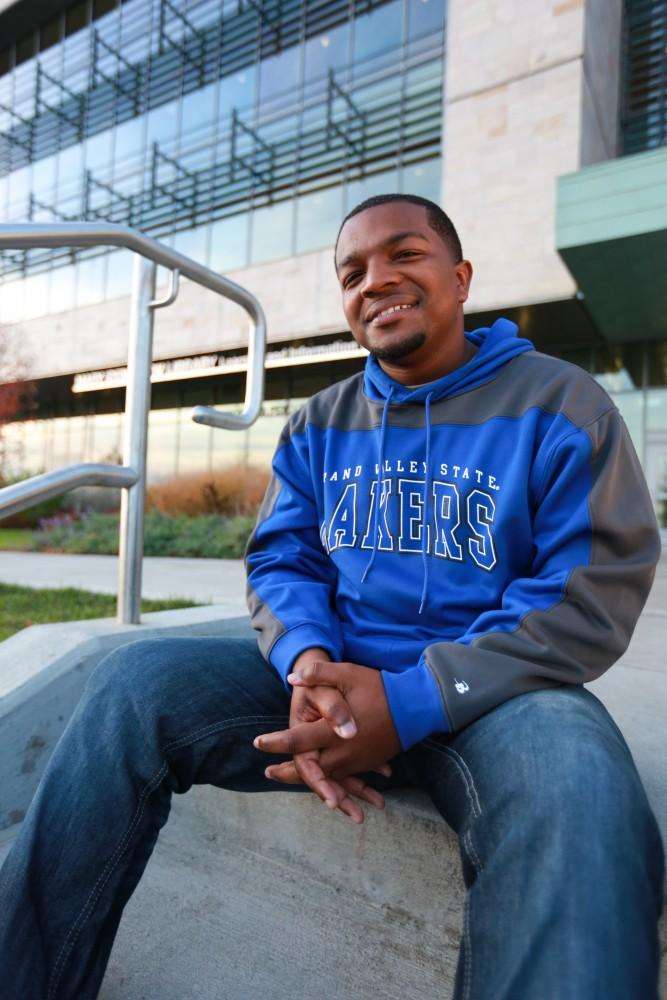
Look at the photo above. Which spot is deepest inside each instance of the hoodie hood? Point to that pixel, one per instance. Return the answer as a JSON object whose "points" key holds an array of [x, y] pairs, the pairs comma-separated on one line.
{"points": [[496, 345]]}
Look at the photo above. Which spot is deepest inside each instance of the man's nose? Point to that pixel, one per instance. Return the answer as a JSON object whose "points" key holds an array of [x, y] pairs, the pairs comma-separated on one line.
{"points": [[379, 275]]}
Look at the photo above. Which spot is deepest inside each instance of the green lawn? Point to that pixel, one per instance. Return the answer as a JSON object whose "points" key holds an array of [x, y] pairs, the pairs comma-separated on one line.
{"points": [[23, 606], [15, 539]]}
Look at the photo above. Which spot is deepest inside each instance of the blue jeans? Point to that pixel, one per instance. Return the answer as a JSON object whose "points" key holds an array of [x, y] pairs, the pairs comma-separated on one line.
{"points": [[561, 854]]}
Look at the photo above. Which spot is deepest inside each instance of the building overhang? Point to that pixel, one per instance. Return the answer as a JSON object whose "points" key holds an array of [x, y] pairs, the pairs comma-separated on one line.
{"points": [[611, 231]]}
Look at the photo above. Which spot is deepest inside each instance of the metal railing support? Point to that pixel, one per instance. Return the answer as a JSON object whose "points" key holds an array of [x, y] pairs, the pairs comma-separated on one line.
{"points": [[135, 439], [20, 496], [131, 477]]}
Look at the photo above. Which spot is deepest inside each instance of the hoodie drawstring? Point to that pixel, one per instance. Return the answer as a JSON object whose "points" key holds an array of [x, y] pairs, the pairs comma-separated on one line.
{"points": [[378, 487], [427, 495]]}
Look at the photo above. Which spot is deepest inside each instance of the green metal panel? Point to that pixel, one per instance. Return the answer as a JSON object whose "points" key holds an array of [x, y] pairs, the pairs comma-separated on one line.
{"points": [[611, 231]]}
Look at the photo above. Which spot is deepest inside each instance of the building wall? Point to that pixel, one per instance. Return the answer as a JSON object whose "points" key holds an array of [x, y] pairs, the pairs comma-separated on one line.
{"points": [[300, 297], [535, 107], [274, 237]]}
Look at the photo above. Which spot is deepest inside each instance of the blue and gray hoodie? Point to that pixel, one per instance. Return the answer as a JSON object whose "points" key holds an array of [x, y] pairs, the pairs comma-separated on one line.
{"points": [[475, 538]]}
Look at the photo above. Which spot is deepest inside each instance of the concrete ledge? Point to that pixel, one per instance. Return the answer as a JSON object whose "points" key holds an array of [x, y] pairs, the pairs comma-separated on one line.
{"points": [[270, 894], [43, 670]]}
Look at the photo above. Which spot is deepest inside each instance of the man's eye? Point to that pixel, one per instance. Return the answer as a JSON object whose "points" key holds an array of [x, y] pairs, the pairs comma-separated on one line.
{"points": [[407, 253], [350, 279]]}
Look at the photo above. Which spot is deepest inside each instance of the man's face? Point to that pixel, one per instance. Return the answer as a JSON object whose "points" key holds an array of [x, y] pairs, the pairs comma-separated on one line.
{"points": [[403, 293]]}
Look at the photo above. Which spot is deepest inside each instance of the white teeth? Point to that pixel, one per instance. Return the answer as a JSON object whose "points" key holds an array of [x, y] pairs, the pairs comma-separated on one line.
{"points": [[391, 309]]}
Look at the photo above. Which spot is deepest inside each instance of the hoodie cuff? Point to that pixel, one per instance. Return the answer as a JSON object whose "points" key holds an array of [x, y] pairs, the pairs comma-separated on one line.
{"points": [[415, 704], [293, 642]]}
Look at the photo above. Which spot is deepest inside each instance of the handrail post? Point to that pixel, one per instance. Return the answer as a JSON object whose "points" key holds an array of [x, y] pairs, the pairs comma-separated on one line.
{"points": [[135, 437]]}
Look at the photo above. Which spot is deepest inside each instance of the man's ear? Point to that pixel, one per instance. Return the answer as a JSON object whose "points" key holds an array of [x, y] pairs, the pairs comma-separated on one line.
{"points": [[463, 271]]}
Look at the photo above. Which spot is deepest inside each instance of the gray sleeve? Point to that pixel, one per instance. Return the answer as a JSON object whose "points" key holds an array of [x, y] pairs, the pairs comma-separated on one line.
{"points": [[571, 618]]}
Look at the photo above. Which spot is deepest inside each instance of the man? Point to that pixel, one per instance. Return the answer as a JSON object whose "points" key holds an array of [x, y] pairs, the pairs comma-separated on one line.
{"points": [[452, 544]]}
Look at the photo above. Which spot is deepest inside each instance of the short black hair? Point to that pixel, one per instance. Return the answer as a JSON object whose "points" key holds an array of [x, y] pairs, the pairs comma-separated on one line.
{"points": [[438, 220]]}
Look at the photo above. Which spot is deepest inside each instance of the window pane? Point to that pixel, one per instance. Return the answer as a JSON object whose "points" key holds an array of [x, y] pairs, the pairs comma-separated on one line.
{"points": [[383, 183], [44, 178], [163, 427], [128, 140], [78, 438], [32, 457], [193, 243], [278, 74], [106, 443], [263, 436], [162, 123], [70, 170], [15, 453], [76, 18], [194, 452], [229, 447], [119, 274], [199, 110], [422, 178], [656, 410], [318, 217], [657, 363], [98, 151], [49, 33], [19, 189], [229, 243], [236, 91], [25, 48], [91, 275], [425, 17], [327, 51], [631, 407], [379, 32], [272, 232]]}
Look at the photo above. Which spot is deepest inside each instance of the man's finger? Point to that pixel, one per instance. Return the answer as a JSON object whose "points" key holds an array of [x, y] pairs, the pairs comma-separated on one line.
{"points": [[358, 787], [285, 772], [311, 773], [317, 672], [332, 706], [298, 739], [352, 809]]}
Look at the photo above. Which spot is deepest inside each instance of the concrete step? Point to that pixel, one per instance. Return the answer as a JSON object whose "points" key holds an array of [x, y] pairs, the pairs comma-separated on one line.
{"points": [[269, 895]]}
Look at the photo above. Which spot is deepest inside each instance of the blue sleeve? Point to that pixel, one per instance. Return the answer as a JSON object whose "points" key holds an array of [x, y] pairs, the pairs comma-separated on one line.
{"points": [[291, 579], [595, 544]]}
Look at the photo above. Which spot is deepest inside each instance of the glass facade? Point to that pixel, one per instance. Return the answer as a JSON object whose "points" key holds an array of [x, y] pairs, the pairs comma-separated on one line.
{"points": [[635, 376], [644, 98], [238, 132], [175, 444]]}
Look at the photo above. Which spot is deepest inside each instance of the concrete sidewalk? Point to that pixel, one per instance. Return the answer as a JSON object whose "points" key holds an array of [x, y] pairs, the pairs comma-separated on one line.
{"points": [[209, 581]]}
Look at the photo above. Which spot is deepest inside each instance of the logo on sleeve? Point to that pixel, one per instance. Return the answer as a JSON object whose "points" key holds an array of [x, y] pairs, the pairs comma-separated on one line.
{"points": [[461, 686]]}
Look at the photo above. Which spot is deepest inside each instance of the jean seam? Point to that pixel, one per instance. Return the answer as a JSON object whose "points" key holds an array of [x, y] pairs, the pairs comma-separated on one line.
{"points": [[472, 796], [467, 962], [105, 875], [101, 882], [217, 726]]}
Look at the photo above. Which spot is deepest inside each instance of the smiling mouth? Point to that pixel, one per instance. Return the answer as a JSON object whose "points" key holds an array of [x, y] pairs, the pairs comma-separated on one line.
{"points": [[390, 314]]}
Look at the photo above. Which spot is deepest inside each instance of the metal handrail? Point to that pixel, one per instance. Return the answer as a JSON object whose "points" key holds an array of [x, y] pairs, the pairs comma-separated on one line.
{"points": [[131, 476]]}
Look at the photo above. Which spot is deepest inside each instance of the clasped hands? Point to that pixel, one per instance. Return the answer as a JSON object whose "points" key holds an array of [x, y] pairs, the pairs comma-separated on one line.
{"points": [[340, 726]]}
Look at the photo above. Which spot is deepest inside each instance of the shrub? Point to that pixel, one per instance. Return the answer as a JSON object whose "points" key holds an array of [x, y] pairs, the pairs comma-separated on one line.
{"points": [[207, 536], [232, 491], [31, 517]]}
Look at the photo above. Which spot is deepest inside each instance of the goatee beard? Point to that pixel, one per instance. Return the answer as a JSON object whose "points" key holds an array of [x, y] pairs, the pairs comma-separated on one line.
{"points": [[394, 352]]}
